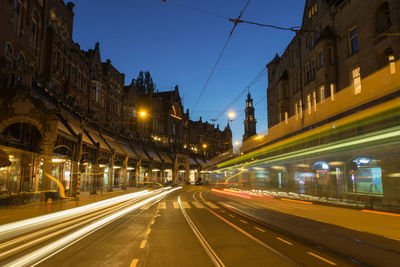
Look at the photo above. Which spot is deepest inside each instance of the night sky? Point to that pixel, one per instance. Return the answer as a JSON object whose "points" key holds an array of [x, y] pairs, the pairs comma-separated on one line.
{"points": [[180, 46]]}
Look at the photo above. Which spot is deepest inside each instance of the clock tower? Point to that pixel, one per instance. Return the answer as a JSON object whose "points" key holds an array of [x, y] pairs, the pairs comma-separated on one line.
{"points": [[250, 121]]}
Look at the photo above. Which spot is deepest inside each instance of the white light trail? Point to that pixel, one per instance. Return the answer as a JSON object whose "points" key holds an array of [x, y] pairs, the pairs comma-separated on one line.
{"points": [[23, 226], [49, 250]]}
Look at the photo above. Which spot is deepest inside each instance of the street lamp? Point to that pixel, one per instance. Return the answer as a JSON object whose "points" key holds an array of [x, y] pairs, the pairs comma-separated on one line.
{"points": [[143, 114], [231, 115]]}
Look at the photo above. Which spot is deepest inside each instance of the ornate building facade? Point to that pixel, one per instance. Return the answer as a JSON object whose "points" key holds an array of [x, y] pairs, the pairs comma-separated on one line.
{"points": [[68, 120], [340, 43]]}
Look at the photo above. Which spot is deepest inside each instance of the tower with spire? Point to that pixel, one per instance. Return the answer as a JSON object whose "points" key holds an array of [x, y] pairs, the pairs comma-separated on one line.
{"points": [[249, 121]]}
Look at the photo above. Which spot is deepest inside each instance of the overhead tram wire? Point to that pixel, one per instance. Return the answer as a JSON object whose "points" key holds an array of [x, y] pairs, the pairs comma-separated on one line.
{"points": [[251, 84], [219, 57], [195, 9]]}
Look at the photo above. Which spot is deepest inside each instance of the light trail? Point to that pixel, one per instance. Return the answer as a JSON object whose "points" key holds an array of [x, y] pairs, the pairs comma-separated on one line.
{"points": [[49, 250], [20, 227]]}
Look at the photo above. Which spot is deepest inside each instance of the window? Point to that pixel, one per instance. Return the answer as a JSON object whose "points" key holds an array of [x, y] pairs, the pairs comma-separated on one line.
{"points": [[383, 20], [309, 103], [9, 50], [332, 87], [33, 34], [98, 93], [314, 69], [356, 80], [315, 100], [296, 108], [301, 108], [322, 93], [17, 16], [312, 41], [320, 59], [387, 58], [331, 55], [308, 74], [392, 64], [353, 37]]}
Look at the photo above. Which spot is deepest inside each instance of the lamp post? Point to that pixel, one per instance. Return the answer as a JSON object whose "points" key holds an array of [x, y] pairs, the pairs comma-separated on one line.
{"points": [[231, 115]]}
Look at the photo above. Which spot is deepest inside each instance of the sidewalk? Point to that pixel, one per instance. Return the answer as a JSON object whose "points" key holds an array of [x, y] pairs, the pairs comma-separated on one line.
{"points": [[19, 212]]}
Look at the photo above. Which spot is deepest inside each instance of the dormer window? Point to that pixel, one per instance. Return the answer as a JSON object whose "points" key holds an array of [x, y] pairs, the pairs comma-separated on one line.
{"points": [[312, 11]]}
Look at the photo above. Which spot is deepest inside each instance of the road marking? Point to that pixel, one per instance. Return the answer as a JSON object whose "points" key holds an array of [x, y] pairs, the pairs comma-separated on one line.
{"points": [[148, 231], [162, 205], [243, 221], [185, 205], [152, 222], [297, 201], [321, 258], [143, 243], [201, 196], [259, 229], [134, 262], [198, 205], [381, 212], [285, 241], [176, 205], [231, 215], [211, 205]]}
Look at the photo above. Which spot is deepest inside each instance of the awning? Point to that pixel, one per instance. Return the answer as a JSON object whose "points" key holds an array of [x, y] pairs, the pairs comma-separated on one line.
{"points": [[62, 128], [4, 159], [114, 145], [97, 139], [200, 161], [128, 150], [141, 153], [193, 162], [154, 155], [78, 130], [165, 157]]}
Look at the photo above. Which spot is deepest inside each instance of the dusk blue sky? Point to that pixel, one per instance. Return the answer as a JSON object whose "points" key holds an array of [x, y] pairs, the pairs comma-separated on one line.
{"points": [[180, 46]]}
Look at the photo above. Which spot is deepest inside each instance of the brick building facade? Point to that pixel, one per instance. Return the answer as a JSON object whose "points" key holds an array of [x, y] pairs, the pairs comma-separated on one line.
{"points": [[67, 118], [340, 43]]}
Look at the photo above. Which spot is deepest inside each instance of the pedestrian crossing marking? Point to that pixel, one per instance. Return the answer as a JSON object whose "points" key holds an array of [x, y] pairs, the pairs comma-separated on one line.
{"points": [[198, 205], [185, 205], [176, 205], [211, 205], [162, 205]]}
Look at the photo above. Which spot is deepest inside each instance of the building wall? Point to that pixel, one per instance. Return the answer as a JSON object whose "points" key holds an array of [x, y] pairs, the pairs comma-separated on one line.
{"points": [[318, 60]]}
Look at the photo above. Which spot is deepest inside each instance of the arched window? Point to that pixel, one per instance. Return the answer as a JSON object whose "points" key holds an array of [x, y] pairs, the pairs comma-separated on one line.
{"points": [[9, 50], [383, 20], [387, 58], [20, 59]]}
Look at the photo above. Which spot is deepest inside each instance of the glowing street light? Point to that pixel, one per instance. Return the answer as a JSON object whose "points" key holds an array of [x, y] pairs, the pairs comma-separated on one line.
{"points": [[204, 146], [231, 115], [237, 143], [143, 114]]}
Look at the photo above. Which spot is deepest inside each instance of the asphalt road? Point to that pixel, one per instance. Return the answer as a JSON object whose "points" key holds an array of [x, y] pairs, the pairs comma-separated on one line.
{"points": [[190, 227]]}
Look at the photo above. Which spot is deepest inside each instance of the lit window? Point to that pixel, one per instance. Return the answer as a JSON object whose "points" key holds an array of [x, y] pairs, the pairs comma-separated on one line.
{"points": [[301, 108], [297, 111], [392, 64], [356, 80], [322, 93], [353, 37], [332, 86], [286, 117], [309, 103], [315, 100]]}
